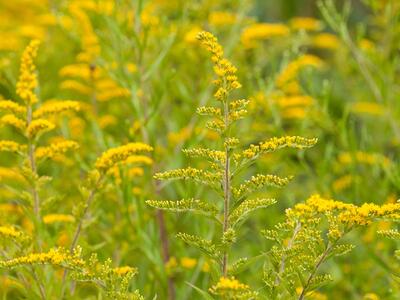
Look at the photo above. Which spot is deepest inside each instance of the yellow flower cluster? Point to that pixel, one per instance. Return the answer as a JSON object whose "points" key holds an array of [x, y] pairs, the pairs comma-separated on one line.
{"points": [[13, 121], [27, 80], [56, 257], [188, 263], [326, 41], [139, 159], [91, 81], [11, 146], [262, 31], [213, 155], [55, 149], [258, 181], [225, 286], [189, 173], [297, 100], [221, 18], [293, 68], [209, 111], [10, 232], [223, 68], [58, 218], [115, 155], [11, 106], [122, 271], [304, 23], [275, 143], [56, 107], [369, 108], [348, 214], [364, 158], [39, 126]]}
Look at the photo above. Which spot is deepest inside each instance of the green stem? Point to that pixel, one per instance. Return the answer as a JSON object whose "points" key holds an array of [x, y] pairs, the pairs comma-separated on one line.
{"points": [[227, 191]]}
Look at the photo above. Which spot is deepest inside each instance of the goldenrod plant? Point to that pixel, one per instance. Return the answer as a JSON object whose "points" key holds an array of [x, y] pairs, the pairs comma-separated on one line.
{"points": [[32, 123], [223, 173]]}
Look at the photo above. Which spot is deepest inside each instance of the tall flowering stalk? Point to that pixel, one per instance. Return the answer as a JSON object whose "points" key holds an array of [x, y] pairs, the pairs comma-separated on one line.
{"points": [[31, 121], [225, 166]]}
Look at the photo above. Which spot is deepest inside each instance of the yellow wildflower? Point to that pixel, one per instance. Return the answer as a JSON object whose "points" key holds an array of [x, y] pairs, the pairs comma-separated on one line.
{"points": [[231, 288], [56, 107], [191, 35], [55, 149], [10, 232], [370, 108], [39, 126], [188, 263], [11, 146], [371, 296], [363, 157], [58, 218], [221, 18], [297, 100], [56, 257], [342, 183], [263, 31], [304, 23], [294, 113], [121, 271], [11, 106], [293, 68], [326, 41], [75, 86], [119, 154], [27, 81], [14, 121]]}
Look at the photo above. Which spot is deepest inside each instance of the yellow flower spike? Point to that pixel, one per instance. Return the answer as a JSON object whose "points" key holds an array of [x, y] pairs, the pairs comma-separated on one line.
{"points": [[223, 68], [27, 81], [368, 108], [221, 18], [13, 121], [263, 31], [11, 146], [231, 288], [38, 127], [11, 106], [56, 257], [76, 86], [55, 149], [116, 155], [304, 23], [58, 218], [56, 107], [121, 271], [326, 41], [10, 232], [188, 263], [289, 74]]}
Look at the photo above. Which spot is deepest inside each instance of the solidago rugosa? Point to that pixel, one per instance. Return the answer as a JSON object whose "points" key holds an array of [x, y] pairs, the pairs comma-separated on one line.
{"points": [[24, 250], [225, 165], [312, 233]]}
